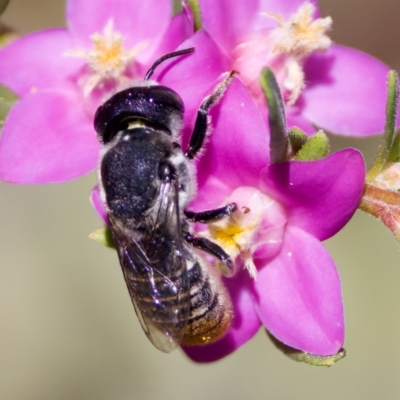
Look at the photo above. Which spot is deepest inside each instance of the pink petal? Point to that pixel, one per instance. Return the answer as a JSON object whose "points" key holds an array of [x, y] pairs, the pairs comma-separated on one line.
{"points": [[320, 196], [180, 28], [229, 23], [345, 92], [244, 326], [287, 8], [300, 299], [239, 144], [284, 8], [38, 61], [47, 139], [138, 21], [211, 194], [97, 204]]}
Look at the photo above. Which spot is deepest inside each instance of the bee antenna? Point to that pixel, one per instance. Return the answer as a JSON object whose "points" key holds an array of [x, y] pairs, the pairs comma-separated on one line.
{"points": [[166, 57]]}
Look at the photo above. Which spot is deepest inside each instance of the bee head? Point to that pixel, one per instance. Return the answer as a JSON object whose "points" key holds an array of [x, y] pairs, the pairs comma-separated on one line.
{"points": [[158, 106]]}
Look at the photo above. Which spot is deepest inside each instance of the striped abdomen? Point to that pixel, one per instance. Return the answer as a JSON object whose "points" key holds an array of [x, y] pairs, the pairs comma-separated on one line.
{"points": [[210, 305]]}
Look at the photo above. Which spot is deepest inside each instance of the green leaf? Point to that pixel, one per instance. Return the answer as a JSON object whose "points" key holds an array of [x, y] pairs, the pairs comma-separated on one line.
{"points": [[195, 7], [302, 356], [315, 148], [103, 236], [386, 149], [318, 361], [7, 99], [297, 139], [276, 116]]}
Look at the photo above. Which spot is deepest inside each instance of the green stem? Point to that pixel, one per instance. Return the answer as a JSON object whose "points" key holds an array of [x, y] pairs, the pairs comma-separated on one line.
{"points": [[388, 136], [195, 7]]}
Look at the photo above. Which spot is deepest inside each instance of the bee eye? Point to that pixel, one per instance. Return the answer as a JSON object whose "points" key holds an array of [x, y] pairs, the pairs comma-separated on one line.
{"points": [[108, 122]]}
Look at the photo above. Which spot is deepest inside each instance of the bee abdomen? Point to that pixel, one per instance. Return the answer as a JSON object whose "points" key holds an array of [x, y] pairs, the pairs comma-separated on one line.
{"points": [[168, 311], [210, 306]]}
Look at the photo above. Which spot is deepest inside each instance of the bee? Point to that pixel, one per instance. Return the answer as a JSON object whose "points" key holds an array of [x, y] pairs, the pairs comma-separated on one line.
{"points": [[146, 182]]}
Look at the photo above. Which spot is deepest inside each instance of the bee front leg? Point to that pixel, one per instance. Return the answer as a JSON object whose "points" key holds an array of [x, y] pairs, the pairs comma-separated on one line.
{"points": [[212, 248], [203, 120], [208, 216]]}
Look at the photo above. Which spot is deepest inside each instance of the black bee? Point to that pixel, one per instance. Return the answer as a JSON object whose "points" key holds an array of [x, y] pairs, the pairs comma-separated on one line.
{"points": [[146, 181]]}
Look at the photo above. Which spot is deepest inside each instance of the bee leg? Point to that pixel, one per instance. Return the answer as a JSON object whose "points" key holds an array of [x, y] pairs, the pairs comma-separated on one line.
{"points": [[208, 216], [212, 248], [203, 120]]}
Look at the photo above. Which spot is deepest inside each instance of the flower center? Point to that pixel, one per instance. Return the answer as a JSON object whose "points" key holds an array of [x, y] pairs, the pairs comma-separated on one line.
{"points": [[297, 38], [284, 49], [234, 234], [254, 231], [301, 35], [108, 59]]}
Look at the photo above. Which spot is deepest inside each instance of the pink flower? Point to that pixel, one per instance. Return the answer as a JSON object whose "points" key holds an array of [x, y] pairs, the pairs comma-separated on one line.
{"points": [[292, 207], [62, 76], [339, 89], [284, 212]]}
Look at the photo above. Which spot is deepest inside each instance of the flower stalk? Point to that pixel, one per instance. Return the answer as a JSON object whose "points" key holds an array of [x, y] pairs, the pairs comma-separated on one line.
{"points": [[384, 205], [381, 196], [394, 155]]}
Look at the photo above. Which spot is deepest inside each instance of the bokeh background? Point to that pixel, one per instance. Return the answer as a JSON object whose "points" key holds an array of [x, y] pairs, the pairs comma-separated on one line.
{"points": [[67, 327]]}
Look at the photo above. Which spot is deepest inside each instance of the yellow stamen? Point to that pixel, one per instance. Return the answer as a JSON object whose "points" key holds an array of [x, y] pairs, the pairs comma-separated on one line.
{"points": [[235, 235]]}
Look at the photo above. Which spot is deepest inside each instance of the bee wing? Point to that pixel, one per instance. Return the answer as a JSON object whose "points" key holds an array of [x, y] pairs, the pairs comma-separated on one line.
{"points": [[154, 269]]}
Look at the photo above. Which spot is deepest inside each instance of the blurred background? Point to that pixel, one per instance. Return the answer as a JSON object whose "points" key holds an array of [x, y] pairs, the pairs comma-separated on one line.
{"points": [[67, 327]]}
